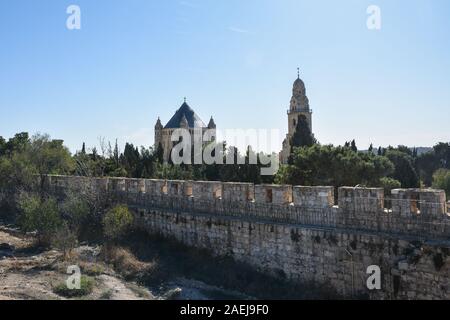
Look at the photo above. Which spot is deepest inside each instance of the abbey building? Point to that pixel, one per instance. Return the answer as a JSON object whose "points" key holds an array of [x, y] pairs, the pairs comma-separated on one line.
{"points": [[184, 118]]}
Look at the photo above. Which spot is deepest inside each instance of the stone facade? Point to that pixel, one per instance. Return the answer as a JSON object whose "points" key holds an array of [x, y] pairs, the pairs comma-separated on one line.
{"points": [[298, 233]]}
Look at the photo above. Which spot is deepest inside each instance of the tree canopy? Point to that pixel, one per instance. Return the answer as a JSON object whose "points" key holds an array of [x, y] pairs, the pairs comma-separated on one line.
{"points": [[335, 166]]}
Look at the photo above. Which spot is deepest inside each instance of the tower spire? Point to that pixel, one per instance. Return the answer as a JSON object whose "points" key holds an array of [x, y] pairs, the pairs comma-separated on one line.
{"points": [[184, 99], [298, 73]]}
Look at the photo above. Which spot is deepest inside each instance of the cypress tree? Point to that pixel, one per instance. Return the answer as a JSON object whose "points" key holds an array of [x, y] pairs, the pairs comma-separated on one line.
{"points": [[116, 154], [353, 146], [302, 136]]}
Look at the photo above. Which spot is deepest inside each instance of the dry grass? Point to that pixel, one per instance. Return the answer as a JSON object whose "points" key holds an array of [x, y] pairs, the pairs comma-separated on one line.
{"points": [[123, 261]]}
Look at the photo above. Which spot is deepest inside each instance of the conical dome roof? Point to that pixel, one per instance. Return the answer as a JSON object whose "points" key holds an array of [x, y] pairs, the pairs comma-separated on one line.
{"points": [[299, 86], [192, 118]]}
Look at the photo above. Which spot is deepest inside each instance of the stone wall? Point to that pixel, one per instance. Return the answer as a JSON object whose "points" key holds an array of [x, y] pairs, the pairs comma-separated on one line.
{"points": [[338, 258], [298, 233]]}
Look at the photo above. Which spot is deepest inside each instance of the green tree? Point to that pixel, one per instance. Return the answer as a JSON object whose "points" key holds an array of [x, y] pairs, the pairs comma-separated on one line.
{"points": [[427, 163], [389, 184], [442, 152], [405, 150], [49, 157], [75, 210], [116, 222], [172, 172], [353, 146], [131, 160], [302, 136], [16, 173], [441, 180], [2, 146], [380, 151], [404, 168], [39, 215], [18, 143], [335, 166], [116, 154], [159, 153]]}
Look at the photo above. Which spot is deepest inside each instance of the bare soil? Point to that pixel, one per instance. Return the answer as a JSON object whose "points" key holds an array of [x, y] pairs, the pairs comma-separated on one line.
{"points": [[31, 273]]}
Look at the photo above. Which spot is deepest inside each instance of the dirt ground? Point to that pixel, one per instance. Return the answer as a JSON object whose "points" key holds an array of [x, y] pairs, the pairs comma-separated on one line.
{"points": [[30, 273]]}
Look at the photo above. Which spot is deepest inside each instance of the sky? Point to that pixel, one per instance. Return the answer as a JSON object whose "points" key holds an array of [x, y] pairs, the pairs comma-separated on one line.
{"points": [[134, 61]]}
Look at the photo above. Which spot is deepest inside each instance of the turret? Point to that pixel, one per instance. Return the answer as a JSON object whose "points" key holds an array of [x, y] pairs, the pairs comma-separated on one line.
{"points": [[158, 125], [211, 124], [158, 132]]}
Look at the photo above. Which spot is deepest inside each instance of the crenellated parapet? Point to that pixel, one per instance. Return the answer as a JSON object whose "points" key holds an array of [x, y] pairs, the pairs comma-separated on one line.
{"points": [[302, 233], [236, 191], [421, 212], [369, 200], [419, 202], [273, 194], [316, 197]]}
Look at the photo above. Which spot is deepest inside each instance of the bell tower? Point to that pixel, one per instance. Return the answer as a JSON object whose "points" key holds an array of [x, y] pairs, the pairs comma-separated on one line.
{"points": [[299, 106]]}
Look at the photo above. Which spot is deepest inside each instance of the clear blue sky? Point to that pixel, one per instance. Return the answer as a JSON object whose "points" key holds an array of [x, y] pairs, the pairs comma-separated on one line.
{"points": [[135, 60]]}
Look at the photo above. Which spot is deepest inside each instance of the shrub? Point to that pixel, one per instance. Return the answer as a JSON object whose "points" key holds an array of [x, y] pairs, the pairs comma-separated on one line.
{"points": [[441, 180], [116, 222], [125, 262], [39, 215], [75, 210], [86, 287], [389, 184], [65, 239], [92, 269], [106, 295]]}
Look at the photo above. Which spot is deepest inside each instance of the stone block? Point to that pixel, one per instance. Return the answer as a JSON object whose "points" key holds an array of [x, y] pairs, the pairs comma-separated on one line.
{"points": [[206, 190], [134, 185], [276, 194], [117, 184], [363, 200], [315, 197], [241, 192], [156, 187], [407, 202]]}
